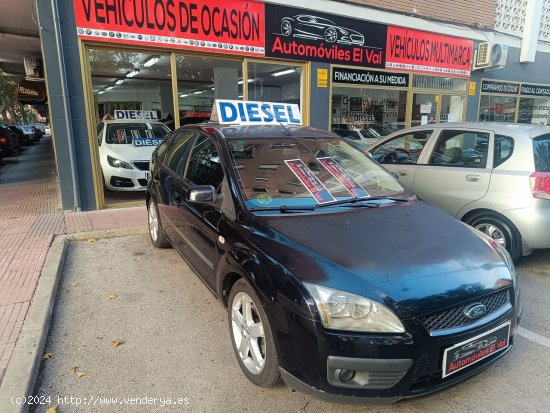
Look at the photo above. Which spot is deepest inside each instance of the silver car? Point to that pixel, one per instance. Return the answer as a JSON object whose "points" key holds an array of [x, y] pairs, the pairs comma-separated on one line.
{"points": [[493, 176]]}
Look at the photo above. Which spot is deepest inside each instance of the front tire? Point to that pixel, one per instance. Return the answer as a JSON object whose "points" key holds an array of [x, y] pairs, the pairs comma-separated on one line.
{"points": [[251, 336], [158, 237], [499, 229]]}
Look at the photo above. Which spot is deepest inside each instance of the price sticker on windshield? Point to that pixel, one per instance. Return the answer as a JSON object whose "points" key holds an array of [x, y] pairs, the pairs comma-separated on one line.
{"points": [[306, 176], [343, 177]]}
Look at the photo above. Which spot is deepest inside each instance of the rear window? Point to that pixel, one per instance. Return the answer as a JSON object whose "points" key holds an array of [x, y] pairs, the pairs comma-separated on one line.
{"points": [[541, 152], [123, 133]]}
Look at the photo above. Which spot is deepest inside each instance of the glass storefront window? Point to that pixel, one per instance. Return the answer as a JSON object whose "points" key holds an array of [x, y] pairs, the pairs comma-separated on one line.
{"points": [[383, 110], [494, 108], [534, 110], [128, 81], [451, 108], [203, 79], [424, 109], [439, 83], [274, 83]]}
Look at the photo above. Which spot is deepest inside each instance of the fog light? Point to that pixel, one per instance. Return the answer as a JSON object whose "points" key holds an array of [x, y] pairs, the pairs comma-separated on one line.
{"points": [[346, 375]]}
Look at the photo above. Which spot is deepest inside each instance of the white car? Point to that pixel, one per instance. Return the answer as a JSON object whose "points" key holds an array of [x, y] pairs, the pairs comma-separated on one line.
{"points": [[125, 148]]}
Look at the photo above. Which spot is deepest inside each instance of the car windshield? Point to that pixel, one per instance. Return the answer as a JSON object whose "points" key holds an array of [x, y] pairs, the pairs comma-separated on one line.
{"points": [[541, 149], [123, 133], [287, 171]]}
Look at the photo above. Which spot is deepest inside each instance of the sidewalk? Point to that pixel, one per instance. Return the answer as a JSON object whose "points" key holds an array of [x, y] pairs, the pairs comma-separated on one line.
{"points": [[30, 217]]}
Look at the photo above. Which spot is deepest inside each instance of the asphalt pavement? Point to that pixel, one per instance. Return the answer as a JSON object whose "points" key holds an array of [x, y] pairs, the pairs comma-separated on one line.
{"points": [[176, 353]]}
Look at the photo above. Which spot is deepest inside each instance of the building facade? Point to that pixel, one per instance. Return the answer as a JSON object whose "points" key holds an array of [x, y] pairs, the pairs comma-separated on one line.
{"points": [[347, 65]]}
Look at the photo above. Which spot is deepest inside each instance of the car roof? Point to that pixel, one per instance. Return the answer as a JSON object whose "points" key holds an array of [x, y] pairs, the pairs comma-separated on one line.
{"points": [[514, 129], [263, 131]]}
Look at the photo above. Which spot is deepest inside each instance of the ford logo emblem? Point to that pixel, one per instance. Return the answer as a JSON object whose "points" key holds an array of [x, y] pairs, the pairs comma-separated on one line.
{"points": [[475, 311]]}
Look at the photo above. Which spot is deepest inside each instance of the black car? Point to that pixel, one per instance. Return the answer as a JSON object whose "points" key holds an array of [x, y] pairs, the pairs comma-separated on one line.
{"points": [[8, 143], [336, 278], [25, 139]]}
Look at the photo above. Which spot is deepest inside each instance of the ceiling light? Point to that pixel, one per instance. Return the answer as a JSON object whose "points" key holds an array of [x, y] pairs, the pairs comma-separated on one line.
{"points": [[151, 61], [119, 81], [101, 92], [109, 87], [184, 95], [132, 73], [240, 96], [251, 80], [283, 72], [213, 88], [198, 92], [240, 82]]}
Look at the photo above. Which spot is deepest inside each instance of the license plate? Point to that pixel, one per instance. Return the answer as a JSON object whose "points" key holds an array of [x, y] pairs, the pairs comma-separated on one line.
{"points": [[471, 351]]}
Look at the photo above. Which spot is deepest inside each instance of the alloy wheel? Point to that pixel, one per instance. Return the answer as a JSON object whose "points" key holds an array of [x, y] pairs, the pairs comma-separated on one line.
{"points": [[493, 232], [153, 221], [248, 333]]}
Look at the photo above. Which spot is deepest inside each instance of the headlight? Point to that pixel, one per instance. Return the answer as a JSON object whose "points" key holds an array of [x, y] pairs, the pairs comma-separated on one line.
{"points": [[340, 310], [117, 163]]}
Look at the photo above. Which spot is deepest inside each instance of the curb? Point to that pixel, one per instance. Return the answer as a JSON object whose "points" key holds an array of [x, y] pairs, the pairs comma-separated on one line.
{"points": [[22, 371]]}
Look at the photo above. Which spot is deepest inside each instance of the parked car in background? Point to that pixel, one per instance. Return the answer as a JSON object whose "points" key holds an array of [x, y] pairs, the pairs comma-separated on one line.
{"points": [[8, 143], [125, 148], [25, 139], [493, 176], [31, 132], [335, 277], [358, 138]]}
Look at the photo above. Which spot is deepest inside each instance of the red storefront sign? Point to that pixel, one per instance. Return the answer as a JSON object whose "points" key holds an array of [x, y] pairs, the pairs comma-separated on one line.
{"points": [[428, 52], [211, 25]]}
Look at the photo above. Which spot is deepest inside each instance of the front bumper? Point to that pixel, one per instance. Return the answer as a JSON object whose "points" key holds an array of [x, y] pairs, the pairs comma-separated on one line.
{"points": [[388, 367], [119, 179]]}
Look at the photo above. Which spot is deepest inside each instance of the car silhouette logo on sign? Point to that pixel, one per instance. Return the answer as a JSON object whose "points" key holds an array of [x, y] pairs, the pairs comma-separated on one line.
{"points": [[475, 311]]}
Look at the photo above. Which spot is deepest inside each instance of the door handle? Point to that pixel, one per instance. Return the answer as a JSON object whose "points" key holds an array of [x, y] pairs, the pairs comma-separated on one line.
{"points": [[473, 178], [402, 173]]}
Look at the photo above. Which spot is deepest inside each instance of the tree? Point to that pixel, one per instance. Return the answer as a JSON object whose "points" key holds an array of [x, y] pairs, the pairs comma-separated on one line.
{"points": [[8, 99]]}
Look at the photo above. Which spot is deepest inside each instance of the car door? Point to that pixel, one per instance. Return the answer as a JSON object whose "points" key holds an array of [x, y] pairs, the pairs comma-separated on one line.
{"points": [[400, 154], [457, 170], [170, 174], [197, 224]]}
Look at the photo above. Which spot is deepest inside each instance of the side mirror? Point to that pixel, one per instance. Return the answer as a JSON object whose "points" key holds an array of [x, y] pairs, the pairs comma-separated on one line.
{"points": [[203, 194]]}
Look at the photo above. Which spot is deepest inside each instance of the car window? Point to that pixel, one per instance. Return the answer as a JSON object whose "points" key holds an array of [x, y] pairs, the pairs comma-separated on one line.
{"points": [[177, 151], [124, 133], [204, 166], [541, 150], [504, 147], [461, 148], [403, 149]]}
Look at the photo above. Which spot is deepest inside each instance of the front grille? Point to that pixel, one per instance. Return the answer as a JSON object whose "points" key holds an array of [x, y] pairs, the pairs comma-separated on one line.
{"points": [[455, 317], [141, 165], [142, 182]]}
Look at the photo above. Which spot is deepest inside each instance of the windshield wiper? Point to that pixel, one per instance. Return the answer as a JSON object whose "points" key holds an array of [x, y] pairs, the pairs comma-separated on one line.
{"points": [[285, 208], [361, 202], [367, 199]]}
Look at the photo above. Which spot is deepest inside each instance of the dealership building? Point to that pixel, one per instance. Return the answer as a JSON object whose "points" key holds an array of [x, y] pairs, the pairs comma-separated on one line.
{"points": [[347, 64]]}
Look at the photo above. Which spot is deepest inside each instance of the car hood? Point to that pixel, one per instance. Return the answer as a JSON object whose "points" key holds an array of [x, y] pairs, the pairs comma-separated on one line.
{"points": [[128, 152], [413, 257]]}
